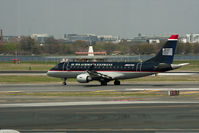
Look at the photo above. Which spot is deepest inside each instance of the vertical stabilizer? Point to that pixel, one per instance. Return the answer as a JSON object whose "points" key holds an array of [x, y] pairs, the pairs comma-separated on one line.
{"points": [[166, 54]]}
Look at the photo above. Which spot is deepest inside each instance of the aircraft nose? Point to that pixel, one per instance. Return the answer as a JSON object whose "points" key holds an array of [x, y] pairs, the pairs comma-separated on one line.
{"points": [[49, 73]]}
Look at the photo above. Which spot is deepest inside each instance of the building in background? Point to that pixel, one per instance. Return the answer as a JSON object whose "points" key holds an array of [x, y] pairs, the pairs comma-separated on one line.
{"points": [[190, 38], [41, 38], [109, 38], [76, 37], [4, 38], [155, 39], [90, 38], [11, 38]]}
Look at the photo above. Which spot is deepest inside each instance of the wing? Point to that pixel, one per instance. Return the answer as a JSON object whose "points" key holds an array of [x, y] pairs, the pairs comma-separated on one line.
{"points": [[98, 76]]}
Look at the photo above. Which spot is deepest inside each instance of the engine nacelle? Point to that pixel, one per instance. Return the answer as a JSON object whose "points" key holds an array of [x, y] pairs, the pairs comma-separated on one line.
{"points": [[83, 78]]}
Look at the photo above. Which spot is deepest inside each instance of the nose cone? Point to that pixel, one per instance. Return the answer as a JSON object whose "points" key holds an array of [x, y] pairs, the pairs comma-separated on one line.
{"points": [[55, 74], [49, 73]]}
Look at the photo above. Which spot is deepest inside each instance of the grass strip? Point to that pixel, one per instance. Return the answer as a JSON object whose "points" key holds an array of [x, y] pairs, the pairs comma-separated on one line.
{"points": [[44, 66], [82, 94], [25, 66]]}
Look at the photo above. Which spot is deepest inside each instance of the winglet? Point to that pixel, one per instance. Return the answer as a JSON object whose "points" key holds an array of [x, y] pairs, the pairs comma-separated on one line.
{"points": [[173, 37]]}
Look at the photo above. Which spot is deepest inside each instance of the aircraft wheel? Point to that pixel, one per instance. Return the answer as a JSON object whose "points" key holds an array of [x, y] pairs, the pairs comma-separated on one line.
{"points": [[64, 83], [116, 82], [104, 83]]}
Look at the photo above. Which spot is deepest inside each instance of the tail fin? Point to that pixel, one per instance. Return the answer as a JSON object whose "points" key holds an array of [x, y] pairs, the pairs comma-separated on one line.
{"points": [[166, 54]]}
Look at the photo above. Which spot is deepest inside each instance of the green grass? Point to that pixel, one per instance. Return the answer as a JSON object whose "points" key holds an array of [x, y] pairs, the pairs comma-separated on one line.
{"points": [[27, 79], [34, 66], [84, 94], [44, 66], [193, 66]]}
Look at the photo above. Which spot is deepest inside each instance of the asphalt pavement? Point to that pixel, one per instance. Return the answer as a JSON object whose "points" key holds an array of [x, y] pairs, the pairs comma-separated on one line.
{"points": [[120, 117], [95, 86]]}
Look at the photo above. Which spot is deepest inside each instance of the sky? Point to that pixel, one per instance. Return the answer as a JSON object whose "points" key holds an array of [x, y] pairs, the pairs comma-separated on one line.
{"points": [[124, 18]]}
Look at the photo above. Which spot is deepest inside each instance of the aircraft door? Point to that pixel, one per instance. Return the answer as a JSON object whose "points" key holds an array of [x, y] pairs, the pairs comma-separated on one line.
{"points": [[139, 66], [65, 66]]}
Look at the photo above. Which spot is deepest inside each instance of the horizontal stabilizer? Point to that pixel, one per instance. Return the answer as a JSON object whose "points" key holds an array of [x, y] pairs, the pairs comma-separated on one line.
{"points": [[175, 66]]}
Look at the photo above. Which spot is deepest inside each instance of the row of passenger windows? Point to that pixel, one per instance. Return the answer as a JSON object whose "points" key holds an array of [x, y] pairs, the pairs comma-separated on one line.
{"points": [[99, 67]]}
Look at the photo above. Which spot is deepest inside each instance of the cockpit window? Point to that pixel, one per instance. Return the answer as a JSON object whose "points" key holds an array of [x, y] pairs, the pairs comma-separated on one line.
{"points": [[58, 67]]}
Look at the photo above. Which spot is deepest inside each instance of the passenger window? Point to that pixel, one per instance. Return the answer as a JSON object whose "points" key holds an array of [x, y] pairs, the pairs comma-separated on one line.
{"points": [[114, 68]]}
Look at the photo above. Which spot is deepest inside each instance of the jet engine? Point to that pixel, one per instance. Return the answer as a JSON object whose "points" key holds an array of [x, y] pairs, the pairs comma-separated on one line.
{"points": [[83, 78]]}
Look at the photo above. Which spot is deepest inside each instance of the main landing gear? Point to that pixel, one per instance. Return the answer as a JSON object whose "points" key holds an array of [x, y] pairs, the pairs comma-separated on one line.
{"points": [[64, 82], [116, 82], [103, 83]]}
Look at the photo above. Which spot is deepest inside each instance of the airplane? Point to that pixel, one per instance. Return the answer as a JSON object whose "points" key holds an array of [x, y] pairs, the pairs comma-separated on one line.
{"points": [[105, 72]]}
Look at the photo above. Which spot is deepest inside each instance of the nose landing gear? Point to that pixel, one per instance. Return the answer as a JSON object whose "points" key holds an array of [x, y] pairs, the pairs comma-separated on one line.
{"points": [[64, 82]]}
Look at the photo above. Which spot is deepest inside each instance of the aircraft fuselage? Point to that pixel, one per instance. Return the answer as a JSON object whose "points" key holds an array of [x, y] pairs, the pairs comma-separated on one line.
{"points": [[117, 70]]}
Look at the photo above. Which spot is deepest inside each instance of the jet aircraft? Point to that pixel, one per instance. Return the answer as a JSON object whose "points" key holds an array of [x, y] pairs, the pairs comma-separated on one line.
{"points": [[104, 72]]}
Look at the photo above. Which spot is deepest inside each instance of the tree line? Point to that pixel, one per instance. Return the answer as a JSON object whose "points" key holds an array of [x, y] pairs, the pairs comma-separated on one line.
{"points": [[28, 46]]}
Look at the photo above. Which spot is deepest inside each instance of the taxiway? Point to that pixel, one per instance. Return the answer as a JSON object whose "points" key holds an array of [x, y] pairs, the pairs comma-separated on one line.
{"points": [[77, 87], [146, 116]]}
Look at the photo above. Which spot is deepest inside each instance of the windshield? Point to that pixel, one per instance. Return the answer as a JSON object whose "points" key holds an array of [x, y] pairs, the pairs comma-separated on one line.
{"points": [[58, 66]]}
